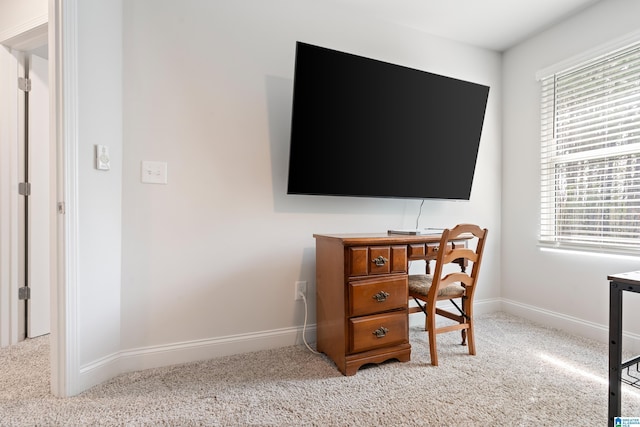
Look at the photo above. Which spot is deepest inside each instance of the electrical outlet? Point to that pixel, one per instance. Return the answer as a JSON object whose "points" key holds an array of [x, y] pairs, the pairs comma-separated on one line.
{"points": [[300, 288]]}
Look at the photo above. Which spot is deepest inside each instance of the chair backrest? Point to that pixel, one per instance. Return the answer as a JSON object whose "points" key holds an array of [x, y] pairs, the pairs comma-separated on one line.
{"points": [[450, 252]]}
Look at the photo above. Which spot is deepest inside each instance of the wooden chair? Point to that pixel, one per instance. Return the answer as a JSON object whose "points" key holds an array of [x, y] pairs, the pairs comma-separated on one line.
{"points": [[450, 281]]}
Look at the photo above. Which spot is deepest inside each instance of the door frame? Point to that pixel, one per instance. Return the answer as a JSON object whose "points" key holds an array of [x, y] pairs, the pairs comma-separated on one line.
{"points": [[9, 204], [63, 92]]}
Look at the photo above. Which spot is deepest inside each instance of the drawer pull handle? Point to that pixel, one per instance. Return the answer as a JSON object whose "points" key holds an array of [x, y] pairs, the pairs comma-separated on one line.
{"points": [[380, 261], [380, 332], [435, 249], [381, 296]]}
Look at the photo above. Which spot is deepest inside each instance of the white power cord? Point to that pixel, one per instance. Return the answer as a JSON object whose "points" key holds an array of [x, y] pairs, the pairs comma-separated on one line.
{"points": [[419, 213], [304, 327]]}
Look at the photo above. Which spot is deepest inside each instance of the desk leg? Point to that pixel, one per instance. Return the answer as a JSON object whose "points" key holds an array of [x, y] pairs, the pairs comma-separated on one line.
{"points": [[615, 350]]}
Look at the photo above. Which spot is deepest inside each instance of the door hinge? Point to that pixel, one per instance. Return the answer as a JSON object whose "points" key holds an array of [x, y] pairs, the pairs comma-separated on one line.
{"points": [[24, 84], [24, 293], [24, 188], [61, 208]]}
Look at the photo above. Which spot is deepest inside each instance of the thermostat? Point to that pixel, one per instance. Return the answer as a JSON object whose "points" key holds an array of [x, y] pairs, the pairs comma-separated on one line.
{"points": [[102, 158]]}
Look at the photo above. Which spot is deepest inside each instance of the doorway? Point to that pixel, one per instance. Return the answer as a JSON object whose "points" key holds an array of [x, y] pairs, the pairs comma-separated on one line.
{"points": [[43, 29], [26, 265]]}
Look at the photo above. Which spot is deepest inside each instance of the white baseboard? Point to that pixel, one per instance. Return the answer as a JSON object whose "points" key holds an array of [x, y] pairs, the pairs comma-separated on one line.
{"points": [[142, 358], [190, 351], [570, 324], [561, 321], [137, 359]]}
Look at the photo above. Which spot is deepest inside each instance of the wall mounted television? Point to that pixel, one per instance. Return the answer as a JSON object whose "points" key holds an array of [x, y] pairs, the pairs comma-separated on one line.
{"points": [[367, 128]]}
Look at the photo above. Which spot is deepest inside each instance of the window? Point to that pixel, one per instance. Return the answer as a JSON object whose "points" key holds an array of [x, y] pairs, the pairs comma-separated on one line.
{"points": [[590, 155]]}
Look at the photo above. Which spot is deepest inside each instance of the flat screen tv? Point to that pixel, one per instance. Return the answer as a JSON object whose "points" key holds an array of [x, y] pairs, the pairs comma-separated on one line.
{"points": [[367, 128]]}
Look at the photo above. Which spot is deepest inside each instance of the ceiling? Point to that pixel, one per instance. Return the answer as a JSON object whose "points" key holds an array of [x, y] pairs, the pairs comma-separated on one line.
{"points": [[491, 24]]}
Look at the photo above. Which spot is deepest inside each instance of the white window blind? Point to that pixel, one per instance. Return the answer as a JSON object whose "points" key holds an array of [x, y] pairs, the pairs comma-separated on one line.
{"points": [[590, 156]]}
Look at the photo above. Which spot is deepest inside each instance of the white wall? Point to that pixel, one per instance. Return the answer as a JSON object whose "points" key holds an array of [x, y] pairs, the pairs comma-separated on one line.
{"points": [[99, 121], [19, 14], [210, 259], [568, 290]]}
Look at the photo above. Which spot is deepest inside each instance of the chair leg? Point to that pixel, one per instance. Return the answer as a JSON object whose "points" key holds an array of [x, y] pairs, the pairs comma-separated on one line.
{"points": [[468, 308], [463, 332], [472, 341], [431, 327]]}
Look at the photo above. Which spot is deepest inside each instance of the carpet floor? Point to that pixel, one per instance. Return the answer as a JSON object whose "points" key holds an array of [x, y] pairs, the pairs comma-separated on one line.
{"points": [[524, 375]]}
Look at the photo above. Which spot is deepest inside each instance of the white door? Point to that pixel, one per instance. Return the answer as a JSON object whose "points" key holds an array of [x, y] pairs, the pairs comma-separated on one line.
{"points": [[39, 202]]}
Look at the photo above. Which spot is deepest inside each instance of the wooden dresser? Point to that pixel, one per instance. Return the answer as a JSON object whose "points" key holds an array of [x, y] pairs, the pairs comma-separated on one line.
{"points": [[362, 296]]}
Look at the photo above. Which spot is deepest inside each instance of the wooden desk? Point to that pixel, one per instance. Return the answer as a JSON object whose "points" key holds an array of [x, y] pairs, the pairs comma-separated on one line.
{"points": [[618, 284], [362, 295]]}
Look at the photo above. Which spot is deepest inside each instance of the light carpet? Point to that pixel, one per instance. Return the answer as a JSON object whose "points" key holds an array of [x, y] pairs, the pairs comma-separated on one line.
{"points": [[524, 375]]}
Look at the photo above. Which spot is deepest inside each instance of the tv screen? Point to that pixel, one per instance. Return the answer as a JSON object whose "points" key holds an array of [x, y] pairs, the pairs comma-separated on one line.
{"points": [[363, 127]]}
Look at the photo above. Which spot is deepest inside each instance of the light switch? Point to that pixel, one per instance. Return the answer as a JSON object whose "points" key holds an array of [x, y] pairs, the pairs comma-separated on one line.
{"points": [[154, 172]]}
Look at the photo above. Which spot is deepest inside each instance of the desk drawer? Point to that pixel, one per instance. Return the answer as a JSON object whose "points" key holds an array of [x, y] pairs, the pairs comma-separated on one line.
{"points": [[381, 330], [369, 260], [424, 251], [370, 296], [417, 251]]}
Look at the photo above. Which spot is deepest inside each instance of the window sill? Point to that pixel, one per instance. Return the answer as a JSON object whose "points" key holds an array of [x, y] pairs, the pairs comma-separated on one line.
{"points": [[590, 251]]}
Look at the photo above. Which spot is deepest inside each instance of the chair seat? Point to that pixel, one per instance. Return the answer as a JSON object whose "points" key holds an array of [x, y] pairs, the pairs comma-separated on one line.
{"points": [[421, 283]]}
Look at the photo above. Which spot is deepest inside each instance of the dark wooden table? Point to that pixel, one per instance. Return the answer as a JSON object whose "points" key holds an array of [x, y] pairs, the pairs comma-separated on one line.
{"points": [[618, 284]]}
